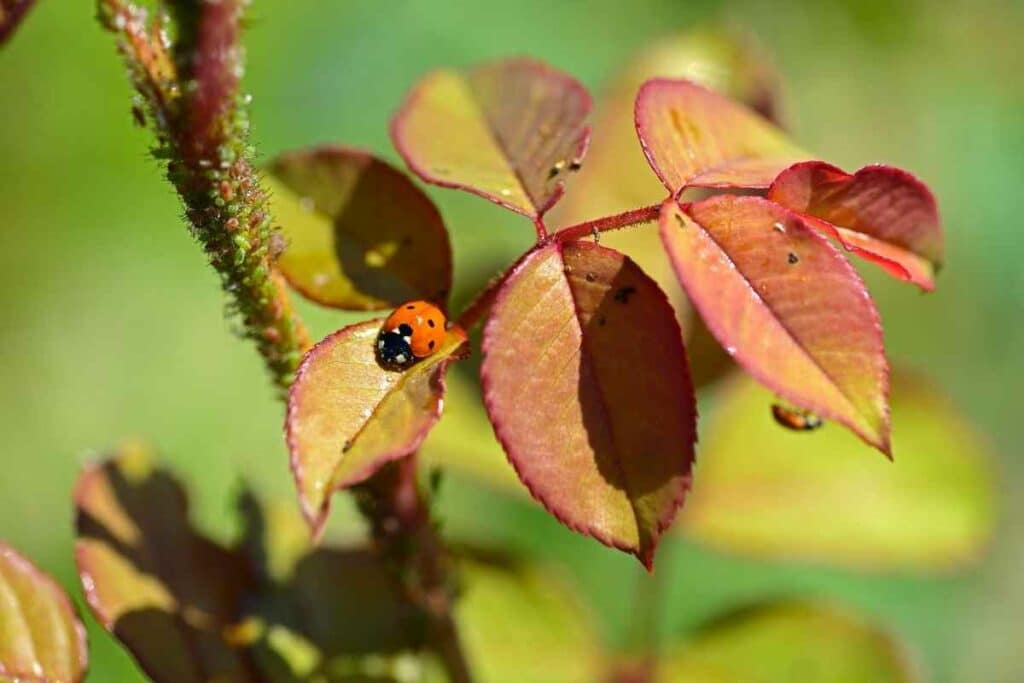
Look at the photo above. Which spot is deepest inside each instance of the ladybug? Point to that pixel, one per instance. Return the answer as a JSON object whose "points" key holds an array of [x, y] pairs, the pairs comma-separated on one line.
{"points": [[795, 419], [413, 331]]}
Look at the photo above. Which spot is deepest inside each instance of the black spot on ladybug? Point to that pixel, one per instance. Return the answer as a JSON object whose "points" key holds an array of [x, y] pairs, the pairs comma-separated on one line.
{"points": [[405, 330], [622, 294], [431, 344], [590, 277], [793, 258], [430, 321]]}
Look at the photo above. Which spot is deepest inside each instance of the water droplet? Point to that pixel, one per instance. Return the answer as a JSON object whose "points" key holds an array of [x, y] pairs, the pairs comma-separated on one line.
{"points": [[505, 192], [779, 227], [731, 350]]}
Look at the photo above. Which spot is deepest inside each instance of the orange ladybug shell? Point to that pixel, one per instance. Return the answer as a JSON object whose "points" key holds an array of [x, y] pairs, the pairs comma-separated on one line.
{"points": [[427, 323]]}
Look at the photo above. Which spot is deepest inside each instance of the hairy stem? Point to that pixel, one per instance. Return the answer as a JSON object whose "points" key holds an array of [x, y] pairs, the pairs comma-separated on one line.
{"points": [[188, 93], [201, 128], [644, 214]]}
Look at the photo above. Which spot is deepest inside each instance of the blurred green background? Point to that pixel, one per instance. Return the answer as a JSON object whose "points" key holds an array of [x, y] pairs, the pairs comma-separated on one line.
{"points": [[112, 322]]}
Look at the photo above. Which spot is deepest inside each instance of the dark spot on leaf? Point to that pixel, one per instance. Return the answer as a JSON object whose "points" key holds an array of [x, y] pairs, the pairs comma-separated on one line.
{"points": [[405, 329], [793, 258], [679, 220], [590, 277], [622, 294], [345, 446], [430, 322]]}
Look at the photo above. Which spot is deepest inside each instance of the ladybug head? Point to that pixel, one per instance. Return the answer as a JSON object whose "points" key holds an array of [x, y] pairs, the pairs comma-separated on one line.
{"points": [[393, 348]]}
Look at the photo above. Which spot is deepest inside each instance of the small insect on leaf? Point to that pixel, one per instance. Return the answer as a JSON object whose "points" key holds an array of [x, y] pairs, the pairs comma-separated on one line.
{"points": [[796, 419], [348, 415], [415, 330]]}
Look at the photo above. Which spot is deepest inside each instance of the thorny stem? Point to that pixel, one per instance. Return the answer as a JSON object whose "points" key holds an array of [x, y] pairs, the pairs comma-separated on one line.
{"points": [[190, 91]]}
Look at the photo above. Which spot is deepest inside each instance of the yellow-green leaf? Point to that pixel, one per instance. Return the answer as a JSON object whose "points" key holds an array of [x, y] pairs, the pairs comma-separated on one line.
{"points": [[507, 131], [359, 234], [762, 490], [789, 641], [41, 638], [165, 591], [348, 416], [525, 625]]}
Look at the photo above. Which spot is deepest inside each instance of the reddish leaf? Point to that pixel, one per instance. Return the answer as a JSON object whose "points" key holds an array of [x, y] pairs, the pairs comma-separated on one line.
{"points": [[361, 235], [586, 384], [166, 592], [616, 176], [41, 638], [694, 137], [881, 213], [12, 12], [348, 416], [786, 305], [505, 131]]}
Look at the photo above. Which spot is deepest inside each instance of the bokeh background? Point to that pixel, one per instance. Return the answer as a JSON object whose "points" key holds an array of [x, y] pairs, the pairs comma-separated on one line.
{"points": [[112, 323]]}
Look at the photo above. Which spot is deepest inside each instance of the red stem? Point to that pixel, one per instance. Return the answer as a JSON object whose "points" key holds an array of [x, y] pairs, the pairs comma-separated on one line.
{"points": [[479, 307], [645, 214], [542, 230]]}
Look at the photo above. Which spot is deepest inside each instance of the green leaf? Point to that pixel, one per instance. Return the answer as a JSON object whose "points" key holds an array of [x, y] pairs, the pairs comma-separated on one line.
{"points": [[524, 624], [507, 131], [786, 305], [360, 235], [41, 638], [766, 491], [348, 416], [789, 641], [586, 383]]}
